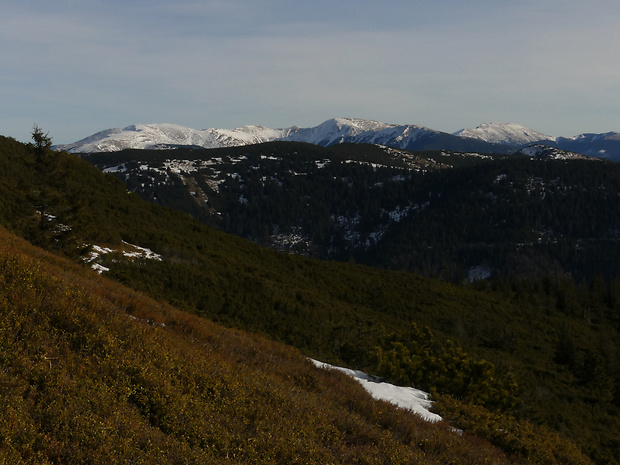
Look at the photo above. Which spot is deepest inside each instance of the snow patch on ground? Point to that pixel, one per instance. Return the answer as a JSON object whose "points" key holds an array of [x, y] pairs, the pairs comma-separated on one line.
{"points": [[99, 268], [399, 213], [543, 151], [140, 252], [407, 398], [294, 240], [115, 169], [128, 250]]}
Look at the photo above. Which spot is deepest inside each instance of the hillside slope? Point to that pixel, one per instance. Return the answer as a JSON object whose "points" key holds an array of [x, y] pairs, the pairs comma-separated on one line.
{"points": [[91, 372], [349, 315]]}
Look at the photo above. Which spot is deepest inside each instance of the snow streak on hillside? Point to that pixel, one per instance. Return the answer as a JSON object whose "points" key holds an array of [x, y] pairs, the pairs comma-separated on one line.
{"points": [[407, 398]]}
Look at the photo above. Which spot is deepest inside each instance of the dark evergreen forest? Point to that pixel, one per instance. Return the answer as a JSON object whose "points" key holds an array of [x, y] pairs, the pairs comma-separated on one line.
{"points": [[441, 214]]}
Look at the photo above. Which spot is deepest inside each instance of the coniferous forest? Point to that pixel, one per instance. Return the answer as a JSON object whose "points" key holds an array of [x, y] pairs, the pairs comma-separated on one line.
{"points": [[441, 214], [200, 356]]}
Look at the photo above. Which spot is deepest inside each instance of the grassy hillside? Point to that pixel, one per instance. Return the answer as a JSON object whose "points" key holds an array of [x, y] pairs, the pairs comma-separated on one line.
{"points": [[536, 334], [91, 372]]}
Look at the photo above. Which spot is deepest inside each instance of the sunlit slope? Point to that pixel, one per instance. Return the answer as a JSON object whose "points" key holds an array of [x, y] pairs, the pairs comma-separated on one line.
{"points": [[91, 372]]}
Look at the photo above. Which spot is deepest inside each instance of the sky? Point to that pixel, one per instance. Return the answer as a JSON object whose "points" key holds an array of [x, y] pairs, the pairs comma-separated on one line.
{"points": [[76, 67]]}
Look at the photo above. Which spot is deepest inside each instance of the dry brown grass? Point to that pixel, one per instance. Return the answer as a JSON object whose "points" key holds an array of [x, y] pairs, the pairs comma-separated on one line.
{"points": [[92, 372]]}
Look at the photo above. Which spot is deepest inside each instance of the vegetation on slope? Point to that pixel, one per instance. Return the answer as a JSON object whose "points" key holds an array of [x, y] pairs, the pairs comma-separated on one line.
{"points": [[333, 312], [91, 372]]}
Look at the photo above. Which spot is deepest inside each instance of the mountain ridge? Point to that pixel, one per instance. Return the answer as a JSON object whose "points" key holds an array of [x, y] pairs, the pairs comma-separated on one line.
{"points": [[148, 136], [486, 138], [505, 133]]}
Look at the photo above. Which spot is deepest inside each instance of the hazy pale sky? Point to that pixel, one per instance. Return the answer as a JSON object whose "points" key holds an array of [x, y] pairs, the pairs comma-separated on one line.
{"points": [[75, 67]]}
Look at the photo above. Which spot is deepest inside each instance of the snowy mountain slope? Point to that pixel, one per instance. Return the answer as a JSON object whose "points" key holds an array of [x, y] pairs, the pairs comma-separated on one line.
{"points": [[149, 136], [355, 130], [336, 131], [406, 136], [333, 131], [486, 138], [504, 133], [605, 145], [330, 132]]}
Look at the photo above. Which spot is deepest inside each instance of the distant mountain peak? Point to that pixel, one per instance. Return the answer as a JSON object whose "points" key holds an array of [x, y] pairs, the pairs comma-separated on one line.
{"points": [[359, 123], [358, 130], [148, 136], [596, 137], [504, 133]]}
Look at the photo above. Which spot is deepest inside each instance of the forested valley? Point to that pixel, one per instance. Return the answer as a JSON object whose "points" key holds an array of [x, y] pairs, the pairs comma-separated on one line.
{"points": [[442, 214]]}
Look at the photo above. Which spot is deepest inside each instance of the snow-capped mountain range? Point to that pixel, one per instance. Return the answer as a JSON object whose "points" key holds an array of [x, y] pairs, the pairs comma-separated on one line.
{"points": [[490, 137], [149, 136], [333, 131]]}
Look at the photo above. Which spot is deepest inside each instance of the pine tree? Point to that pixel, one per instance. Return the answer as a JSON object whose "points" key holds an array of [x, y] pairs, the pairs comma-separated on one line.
{"points": [[42, 141]]}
